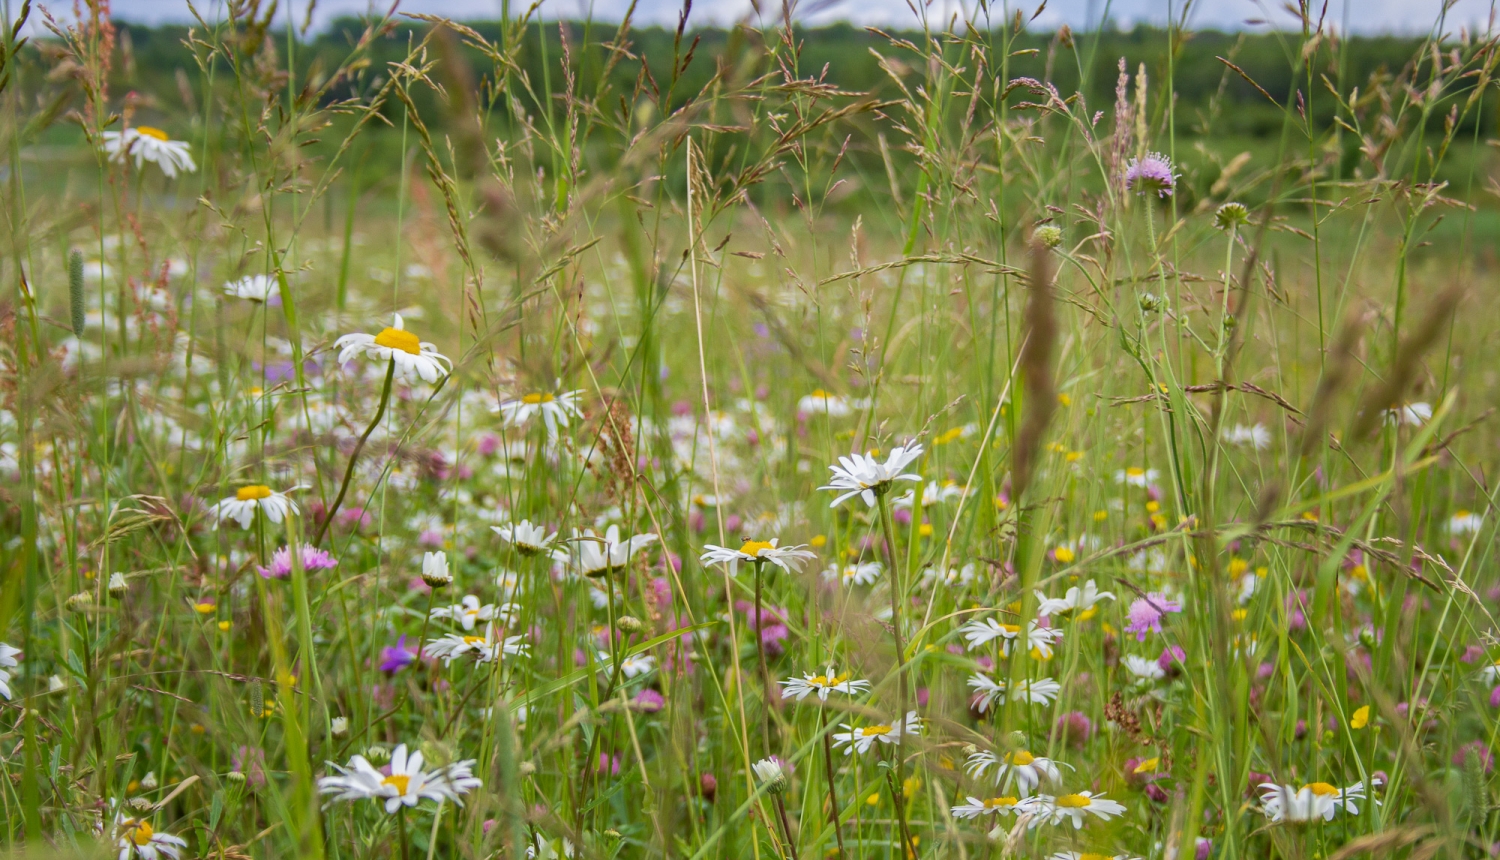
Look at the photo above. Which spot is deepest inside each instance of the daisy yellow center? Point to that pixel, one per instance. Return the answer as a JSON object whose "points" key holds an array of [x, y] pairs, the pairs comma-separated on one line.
{"points": [[396, 338], [753, 548], [1012, 629], [1000, 803], [1136, 472], [1322, 789], [253, 493], [1074, 801], [534, 399], [825, 681], [1094, 857], [474, 640], [397, 780], [1021, 758], [148, 131], [141, 833], [874, 731]]}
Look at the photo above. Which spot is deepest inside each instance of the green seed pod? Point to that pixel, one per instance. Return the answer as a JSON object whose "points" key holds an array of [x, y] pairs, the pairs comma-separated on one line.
{"points": [[257, 699], [75, 290]]}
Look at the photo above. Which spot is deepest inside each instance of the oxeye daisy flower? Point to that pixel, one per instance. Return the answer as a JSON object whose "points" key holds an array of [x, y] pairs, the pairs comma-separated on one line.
{"points": [[1085, 855], [820, 402], [251, 498], [822, 685], [1254, 436], [975, 807], [414, 359], [1145, 614], [1411, 414], [860, 739], [256, 288], [1151, 175], [1040, 639], [1080, 600], [135, 837], [1056, 810], [788, 558], [865, 573], [1284, 803], [483, 649], [630, 667], [467, 613], [771, 774], [1021, 768], [864, 476], [406, 784], [525, 537], [8, 660], [149, 144], [557, 410], [988, 691], [598, 556], [435, 569], [1143, 669], [1464, 523], [1135, 476], [312, 559]]}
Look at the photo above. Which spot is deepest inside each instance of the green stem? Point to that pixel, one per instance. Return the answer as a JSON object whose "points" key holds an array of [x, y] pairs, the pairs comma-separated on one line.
{"points": [[385, 397]]}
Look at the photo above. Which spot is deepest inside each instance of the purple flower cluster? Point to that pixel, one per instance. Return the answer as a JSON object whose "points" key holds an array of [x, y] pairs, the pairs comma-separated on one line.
{"points": [[1151, 174], [312, 559]]}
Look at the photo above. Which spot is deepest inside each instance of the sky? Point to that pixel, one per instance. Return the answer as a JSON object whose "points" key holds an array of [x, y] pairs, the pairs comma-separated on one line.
{"points": [[1360, 16]]}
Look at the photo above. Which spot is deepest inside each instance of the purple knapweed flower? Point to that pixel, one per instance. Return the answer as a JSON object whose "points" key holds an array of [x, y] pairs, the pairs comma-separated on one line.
{"points": [[312, 559], [1146, 612], [1152, 174]]}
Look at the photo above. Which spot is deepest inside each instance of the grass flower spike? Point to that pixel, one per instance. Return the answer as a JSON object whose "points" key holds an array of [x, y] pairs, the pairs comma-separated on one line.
{"points": [[414, 359]]}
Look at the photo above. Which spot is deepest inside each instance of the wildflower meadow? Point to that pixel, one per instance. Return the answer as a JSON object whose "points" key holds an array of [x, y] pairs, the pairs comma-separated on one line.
{"points": [[547, 438]]}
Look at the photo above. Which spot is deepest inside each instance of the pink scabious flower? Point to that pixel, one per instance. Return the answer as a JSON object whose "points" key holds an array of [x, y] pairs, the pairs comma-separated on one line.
{"points": [[312, 559], [1152, 174], [1146, 613]]}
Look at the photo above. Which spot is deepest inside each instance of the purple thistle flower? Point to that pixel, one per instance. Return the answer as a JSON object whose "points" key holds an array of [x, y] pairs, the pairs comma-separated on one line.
{"points": [[312, 559], [1152, 173], [1146, 612], [394, 658]]}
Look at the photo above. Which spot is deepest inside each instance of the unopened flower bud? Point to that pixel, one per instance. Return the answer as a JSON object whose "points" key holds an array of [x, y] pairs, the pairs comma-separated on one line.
{"points": [[378, 755], [339, 726], [148, 782], [435, 570], [1151, 303], [80, 601], [526, 768], [235, 777], [1231, 215], [629, 624], [769, 772], [1047, 235], [139, 803], [117, 585]]}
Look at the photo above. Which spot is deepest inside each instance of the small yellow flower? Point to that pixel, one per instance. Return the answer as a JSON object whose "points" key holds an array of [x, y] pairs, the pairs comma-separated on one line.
{"points": [[1064, 400], [925, 529], [1238, 566], [1101, 515], [1361, 718], [1152, 507], [224, 626], [1074, 456], [1063, 555], [873, 800], [1311, 516], [1240, 614], [818, 541], [910, 786], [204, 607], [1147, 766]]}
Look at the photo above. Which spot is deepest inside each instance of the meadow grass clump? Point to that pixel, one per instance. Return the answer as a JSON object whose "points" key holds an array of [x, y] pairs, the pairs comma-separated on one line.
{"points": [[538, 439]]}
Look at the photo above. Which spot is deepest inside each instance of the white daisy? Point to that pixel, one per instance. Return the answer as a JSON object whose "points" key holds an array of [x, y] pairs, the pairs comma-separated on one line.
{"points": [[1255, 436], [406, 785], [1055, 810], [771, 774], [597, 556], [482, 648], [788, 558], [135, 837], [467, 613], [149, 144], [1143, 669], [828, 682], [864, 573], [8, 660], [1022, 768], [435, 569], [630, 667], [861, 739], [1312, 801], [975, 807], [956, 577], [1414, 414], [250, 498], [1464, 523], [988, 691], [414, 359], [1039, 639], [525, 537], [932, 494], [820, 402], [1085, 855], [1135, 476], [256, 288], [1075, 599], [864, 476], [557, 410]]}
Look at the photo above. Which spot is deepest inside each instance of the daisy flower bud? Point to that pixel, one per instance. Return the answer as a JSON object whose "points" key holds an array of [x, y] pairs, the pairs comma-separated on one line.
{"points": [[1231, 215], [339, 726], [80, 601], [378, 755], [117, 585], [235, 777], [769, 772], [435, 569], [629, 624]]}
